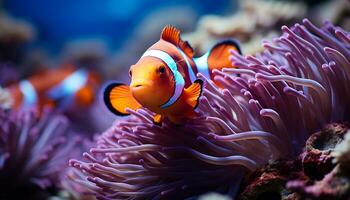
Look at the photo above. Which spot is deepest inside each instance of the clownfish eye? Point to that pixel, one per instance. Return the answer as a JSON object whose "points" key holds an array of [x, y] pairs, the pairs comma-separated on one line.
{"points": [[130, 73], [161, 70]]}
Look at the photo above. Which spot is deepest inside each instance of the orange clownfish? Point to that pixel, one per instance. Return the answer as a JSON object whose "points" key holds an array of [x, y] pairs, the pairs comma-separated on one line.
{"points": [[59, 87], [164, 79]]}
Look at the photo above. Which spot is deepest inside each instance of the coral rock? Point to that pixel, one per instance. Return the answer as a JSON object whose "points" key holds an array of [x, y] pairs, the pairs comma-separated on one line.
{"points": [[269, 182], [334, 185], [5, 99], [341, 152], [316, 158], [295, 179]]}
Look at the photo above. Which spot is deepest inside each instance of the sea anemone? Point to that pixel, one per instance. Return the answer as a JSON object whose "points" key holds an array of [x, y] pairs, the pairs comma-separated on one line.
{"points": [[264, 110], [33, 150], [147, 161]]}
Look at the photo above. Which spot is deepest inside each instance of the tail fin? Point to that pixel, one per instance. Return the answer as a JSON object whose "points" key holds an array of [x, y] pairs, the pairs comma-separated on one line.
{"points": [[219, 55]]}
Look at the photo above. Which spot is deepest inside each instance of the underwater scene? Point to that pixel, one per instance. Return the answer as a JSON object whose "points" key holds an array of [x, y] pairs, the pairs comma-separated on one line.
{"points": [[175, 100]]}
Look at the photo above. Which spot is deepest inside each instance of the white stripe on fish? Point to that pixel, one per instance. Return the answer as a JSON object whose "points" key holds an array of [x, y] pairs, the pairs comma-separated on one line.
{"points": [[30, 96], [179, 79], [202, 64]]}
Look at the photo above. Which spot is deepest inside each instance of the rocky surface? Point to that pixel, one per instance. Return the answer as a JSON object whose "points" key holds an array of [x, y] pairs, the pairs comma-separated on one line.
{"points": [[312, 175]]}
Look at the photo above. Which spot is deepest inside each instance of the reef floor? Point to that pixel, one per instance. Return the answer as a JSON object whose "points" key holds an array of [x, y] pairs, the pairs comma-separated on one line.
{"points": [[314, 174]]}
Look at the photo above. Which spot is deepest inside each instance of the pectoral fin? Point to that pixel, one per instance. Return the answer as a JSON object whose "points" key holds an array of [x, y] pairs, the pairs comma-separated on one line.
{"points": [[157, 119], [193, 93], [118, 97]]}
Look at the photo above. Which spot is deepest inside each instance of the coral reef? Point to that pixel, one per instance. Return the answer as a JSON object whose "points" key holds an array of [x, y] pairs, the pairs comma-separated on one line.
{"points": [[316, 158], [325, 180], [336, 11], [13, 34], [269, 182], [248, 25], [265, 111], [33, 152], [341, 152], [14, 30], [5, 99], [312, 175]]}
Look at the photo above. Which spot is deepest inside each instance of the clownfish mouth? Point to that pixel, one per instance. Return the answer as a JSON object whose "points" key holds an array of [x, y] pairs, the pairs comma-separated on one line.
{"points": [[137, 86]]}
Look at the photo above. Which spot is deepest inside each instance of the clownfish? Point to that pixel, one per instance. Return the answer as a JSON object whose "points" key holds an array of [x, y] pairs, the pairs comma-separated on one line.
{"points": [[164, 79], [61, 87]]}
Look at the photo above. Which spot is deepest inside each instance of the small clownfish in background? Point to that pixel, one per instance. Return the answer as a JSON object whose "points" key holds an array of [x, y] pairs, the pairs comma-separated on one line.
{"points": [[164, 79], [59, 88]]}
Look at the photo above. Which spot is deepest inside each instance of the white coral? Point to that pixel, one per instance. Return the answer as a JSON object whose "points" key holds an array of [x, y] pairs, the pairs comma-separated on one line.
{"points": [[341, 152], [6, 100], [15, 29], [214, 196], [254, 20]]}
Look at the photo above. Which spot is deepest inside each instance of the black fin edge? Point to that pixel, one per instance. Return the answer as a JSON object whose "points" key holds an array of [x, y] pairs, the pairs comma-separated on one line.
{"points": [[200, 94], [157, 123], [107, 101], [233, 42]]}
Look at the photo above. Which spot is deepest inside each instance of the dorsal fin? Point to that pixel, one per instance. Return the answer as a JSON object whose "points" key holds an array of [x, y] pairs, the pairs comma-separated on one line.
{"points": [[172, 34]]}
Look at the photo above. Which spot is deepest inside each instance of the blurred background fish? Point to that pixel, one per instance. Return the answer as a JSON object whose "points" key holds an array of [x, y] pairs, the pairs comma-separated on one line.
{"points": [[61, 88]]}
